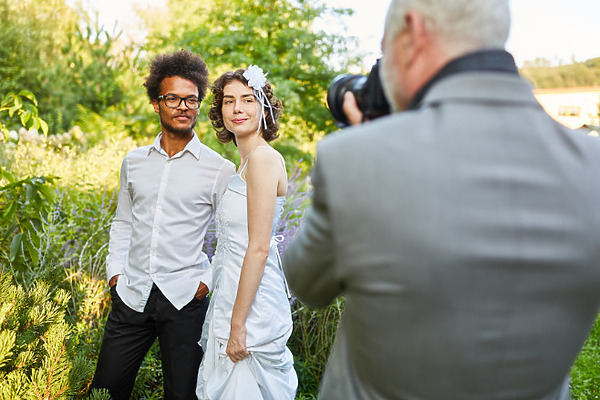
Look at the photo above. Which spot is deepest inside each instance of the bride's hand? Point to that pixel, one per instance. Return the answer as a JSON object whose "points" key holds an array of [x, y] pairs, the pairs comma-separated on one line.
{"points": [[236, 345]]}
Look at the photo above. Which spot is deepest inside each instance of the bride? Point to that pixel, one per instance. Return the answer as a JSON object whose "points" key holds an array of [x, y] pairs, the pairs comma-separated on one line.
{"points": [[249, 319]]}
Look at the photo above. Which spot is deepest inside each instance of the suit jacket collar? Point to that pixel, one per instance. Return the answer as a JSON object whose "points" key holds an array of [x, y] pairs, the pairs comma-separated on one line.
{"points": [[494, 60], [481, 88]]}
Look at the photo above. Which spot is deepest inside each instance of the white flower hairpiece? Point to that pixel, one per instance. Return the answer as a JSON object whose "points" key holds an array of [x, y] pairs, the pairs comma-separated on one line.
{"points": [[257, 79]]}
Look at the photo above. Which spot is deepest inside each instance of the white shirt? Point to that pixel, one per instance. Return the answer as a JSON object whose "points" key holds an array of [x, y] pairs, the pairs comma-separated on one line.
{"points": [[164, 207]]}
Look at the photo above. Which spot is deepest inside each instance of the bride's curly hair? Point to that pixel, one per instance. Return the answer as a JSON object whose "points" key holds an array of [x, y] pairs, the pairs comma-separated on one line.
{"points": [[216, 113]]}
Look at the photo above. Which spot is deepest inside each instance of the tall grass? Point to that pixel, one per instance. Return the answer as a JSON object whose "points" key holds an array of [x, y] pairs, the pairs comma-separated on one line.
{"points": [[585, 374]]}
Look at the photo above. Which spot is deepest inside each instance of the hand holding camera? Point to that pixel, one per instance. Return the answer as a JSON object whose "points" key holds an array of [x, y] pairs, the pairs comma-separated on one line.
{"points": [[351, 110], [366, 95]]}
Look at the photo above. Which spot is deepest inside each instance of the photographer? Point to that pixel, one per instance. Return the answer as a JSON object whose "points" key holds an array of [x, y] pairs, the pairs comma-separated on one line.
{"points": [[463, 232]]}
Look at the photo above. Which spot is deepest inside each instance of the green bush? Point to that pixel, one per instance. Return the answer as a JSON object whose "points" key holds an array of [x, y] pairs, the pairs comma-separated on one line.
{"points": [[37, 357]]}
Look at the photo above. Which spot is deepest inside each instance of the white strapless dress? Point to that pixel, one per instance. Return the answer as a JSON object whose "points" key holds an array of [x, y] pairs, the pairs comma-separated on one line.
{"points": [[268, 373]]}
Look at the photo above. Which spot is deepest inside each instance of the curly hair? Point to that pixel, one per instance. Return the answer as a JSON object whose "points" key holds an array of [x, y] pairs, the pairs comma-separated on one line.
{"points": [[182, 64], [216, 113]]}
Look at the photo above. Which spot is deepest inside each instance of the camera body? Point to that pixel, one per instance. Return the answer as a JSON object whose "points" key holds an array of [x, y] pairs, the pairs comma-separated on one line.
{"points": [[368, 91]]}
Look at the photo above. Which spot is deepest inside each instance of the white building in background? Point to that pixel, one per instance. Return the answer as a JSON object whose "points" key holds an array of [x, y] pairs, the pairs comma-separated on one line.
{"points": [[572, 106]]}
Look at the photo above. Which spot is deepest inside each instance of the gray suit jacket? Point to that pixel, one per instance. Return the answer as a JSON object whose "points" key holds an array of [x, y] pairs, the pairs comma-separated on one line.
{"points": [[465, 237]]}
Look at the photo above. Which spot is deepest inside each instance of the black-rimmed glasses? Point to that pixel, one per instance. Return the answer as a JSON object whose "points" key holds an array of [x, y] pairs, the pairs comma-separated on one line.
{"points": [[173, 101]]}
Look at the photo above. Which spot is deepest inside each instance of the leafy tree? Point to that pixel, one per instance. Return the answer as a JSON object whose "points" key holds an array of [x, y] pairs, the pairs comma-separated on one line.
{"points": [[31, 37], [32, 34], [83, 74], [61, 55]]}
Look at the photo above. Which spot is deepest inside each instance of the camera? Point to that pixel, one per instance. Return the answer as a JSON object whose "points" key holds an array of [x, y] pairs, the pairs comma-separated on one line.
{"points": [[368, 91]]}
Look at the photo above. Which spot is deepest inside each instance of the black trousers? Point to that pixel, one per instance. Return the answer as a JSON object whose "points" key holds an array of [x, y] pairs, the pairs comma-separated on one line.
{"points": [[128, 335]]}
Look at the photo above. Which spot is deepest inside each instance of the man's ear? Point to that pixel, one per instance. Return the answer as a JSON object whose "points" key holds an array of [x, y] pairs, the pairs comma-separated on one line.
{"points": [[416, 35], [156, 104]]}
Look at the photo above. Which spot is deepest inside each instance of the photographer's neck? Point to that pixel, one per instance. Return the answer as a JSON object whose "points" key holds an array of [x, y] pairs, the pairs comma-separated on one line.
{"points": [[485, 60]]}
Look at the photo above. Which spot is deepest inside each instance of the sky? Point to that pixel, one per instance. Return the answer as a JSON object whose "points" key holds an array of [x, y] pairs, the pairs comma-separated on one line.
{"points": [[558, 30]]}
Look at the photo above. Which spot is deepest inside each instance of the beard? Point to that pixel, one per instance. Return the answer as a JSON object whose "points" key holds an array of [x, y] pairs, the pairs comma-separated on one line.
{"points": [[181, 131]]}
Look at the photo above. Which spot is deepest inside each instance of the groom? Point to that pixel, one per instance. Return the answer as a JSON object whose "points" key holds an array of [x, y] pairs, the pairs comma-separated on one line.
{"points": [[158, 275], [463, 232]]}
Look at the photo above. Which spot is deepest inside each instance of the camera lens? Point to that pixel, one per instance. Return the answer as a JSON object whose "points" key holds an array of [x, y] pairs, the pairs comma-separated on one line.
{"points": [[335, 95], [367, 90]]}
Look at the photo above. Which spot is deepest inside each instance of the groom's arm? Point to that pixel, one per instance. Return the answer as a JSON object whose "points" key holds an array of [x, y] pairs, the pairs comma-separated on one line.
{"points": [[121, 229], [309, 261]]}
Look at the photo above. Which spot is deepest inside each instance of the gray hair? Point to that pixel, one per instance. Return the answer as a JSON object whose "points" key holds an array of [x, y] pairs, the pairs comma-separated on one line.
{"points": [[463, 25]]}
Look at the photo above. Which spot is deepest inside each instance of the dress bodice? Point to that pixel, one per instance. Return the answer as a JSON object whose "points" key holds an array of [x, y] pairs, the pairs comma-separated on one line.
{"points": [[232, 216], [232, 243]]}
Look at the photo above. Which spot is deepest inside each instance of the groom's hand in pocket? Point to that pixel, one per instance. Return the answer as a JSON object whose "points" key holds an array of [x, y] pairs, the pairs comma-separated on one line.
{"points": [[202, 291], [113, 281]]}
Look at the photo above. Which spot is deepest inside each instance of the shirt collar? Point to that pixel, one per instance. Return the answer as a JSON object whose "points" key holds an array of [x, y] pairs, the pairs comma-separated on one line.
{"points": [[155, 146], [194, 147], [485, 60]]}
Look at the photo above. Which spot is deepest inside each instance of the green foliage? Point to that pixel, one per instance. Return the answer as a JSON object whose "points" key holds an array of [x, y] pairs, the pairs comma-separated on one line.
{"points": [[26, 204], [277, 36], [312, 342], [74, 234], [585, 374], [84, 74], [99, 394], [24, 105], [31, 37], [62, 56], [37, 358], [68, 222], [542, 74]]}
